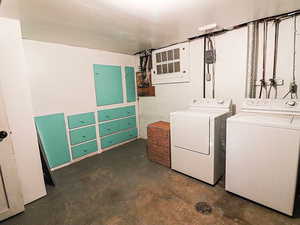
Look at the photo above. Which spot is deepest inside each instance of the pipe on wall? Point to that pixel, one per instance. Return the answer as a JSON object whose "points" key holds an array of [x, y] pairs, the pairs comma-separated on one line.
{"points": [[252, 59]]}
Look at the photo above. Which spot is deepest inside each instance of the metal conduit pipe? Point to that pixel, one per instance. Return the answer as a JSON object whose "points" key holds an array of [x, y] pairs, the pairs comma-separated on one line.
{"points": [[252, 59]]}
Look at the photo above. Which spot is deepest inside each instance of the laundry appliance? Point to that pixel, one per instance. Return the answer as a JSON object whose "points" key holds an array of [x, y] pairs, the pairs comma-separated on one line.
{"points": [[198, 139], [262, 152]]}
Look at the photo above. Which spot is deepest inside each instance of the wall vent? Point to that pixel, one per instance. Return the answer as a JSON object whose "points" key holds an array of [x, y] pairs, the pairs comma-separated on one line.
{"points": [[171, 64]]}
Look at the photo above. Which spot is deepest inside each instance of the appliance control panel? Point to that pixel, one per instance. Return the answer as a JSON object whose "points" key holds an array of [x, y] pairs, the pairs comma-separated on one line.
{"points": [[272, 105], [211, 103]]}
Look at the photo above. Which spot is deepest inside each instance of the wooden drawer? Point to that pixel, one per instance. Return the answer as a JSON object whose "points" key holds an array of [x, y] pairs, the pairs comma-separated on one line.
{"points": [[117, 125], [84, 149], [158, 136], [82, 135], [111, 114], [159, 143], [159, 154], [81, 120], [118, 138]]}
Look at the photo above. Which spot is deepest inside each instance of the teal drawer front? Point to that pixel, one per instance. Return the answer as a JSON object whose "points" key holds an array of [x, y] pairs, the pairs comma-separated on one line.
{"points": [[118, 138], [116, 125], [84, 149], [108, 84], [110, 114], [128, 123], [53, 136], [81, 120], [130, 84], [82, 135], [109, 128]]}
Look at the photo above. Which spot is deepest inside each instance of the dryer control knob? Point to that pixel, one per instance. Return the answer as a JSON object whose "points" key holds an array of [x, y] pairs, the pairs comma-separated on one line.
{"points": [[291, 103], [220, 102]]}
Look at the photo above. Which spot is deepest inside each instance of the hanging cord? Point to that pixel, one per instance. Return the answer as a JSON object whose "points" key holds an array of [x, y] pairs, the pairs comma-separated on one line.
{"points": [[293, 89], [273, 84], [263, 84], [210, 76]]}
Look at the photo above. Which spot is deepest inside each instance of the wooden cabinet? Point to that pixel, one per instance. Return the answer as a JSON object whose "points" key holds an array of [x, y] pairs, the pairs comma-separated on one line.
{"points": [[158, 148], [52, 132], [108, 85]]}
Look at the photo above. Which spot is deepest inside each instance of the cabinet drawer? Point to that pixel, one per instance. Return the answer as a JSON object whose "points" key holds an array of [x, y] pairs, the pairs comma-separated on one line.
{"points": [[110, 114], [118, 138], [81, 120], [82, 135], [128, 123], [109, 128], [116, 125], [84, 149]]}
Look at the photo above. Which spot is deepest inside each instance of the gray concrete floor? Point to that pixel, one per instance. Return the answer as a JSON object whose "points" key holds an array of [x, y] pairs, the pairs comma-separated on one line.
{"points": [[121, 187]]}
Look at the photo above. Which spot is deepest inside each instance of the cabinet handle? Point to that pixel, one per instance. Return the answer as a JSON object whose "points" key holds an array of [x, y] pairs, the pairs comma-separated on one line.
{"points": [[110, 142], [85, 150], [81, 121], [84, 136]]}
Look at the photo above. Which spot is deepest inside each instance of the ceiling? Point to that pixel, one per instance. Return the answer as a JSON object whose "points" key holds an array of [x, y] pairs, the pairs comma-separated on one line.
{"points": [[128, 26]]}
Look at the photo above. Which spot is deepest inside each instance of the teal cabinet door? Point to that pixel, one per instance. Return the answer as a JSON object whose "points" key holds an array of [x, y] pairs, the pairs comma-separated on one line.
{"points": [[53, 137], [130, 84], [108, 85]]}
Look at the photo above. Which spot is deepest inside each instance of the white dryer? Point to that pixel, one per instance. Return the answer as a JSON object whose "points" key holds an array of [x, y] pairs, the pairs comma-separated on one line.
{"points": [[198, 139], [262, 152]]}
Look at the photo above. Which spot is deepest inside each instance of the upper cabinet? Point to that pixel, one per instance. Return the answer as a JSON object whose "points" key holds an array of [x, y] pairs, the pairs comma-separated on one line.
{"points": [[108, 84], [130, 84]]}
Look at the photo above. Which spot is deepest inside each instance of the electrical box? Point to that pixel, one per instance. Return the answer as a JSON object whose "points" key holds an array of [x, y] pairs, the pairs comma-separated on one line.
{"points": [[171, 64]]}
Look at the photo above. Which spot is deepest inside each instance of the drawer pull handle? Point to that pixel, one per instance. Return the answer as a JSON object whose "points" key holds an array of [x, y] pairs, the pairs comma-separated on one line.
{"points": [[85, 150], [110, 142], [84, 136], [108, 129], [81, 121], [107, 116]]}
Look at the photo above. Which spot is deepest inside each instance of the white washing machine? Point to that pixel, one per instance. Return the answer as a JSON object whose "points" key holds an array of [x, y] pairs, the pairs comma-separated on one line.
{"points": [[198, 139], [262, 152]]}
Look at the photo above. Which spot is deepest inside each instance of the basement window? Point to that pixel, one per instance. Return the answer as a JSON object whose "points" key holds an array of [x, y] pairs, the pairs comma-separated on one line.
{"points": [[171, 64]]}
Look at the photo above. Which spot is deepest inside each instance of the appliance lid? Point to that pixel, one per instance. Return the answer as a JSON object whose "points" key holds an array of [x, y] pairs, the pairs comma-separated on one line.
{"points": [[271, 120], [210, 113]]}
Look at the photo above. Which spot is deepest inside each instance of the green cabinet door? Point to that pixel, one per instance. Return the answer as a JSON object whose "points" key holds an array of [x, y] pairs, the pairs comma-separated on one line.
{"points": [[52, 133], [108, 84], [130, 84]]}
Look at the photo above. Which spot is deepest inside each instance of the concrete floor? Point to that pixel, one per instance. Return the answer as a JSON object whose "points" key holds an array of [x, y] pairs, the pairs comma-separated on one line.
{"points": [[121, 187]]}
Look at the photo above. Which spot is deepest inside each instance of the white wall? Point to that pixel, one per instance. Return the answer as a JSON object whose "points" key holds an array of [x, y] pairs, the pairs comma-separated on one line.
{"points": [[17, 98], [61, 77], [231, 68]]}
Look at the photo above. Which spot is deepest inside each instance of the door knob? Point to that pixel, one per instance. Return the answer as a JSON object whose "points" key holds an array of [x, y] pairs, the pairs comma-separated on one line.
{"points": [[3, 135]]}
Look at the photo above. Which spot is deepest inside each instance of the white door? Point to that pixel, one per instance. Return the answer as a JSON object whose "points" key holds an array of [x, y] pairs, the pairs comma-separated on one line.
{"points": [[190, 131], [11, 199]]}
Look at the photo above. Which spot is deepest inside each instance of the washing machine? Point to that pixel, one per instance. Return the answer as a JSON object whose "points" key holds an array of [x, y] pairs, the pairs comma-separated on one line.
{"points": [[262, 152], [198, 139]]}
